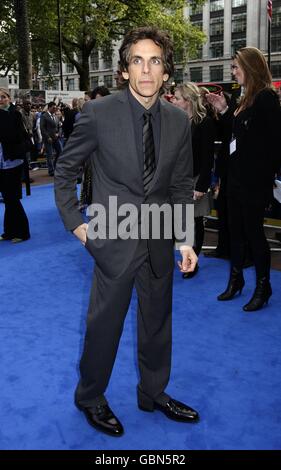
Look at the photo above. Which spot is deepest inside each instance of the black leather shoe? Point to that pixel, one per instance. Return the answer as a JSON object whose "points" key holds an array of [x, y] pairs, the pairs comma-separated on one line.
{"points": [[174, 410], [102, 418]]}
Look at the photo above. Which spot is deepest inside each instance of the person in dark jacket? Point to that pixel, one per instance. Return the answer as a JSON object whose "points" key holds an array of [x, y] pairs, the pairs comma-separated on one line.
{"points": [[12, 154], [253, 134], [140, 151], [188, 98]]}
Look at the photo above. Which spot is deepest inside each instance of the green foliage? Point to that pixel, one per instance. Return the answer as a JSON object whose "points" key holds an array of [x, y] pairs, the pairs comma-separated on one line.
{"points": [[8, 50]]}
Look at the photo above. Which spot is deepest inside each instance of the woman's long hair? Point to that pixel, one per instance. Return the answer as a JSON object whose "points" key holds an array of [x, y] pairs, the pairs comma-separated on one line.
{"points": [[190, 92], [256, 73]]}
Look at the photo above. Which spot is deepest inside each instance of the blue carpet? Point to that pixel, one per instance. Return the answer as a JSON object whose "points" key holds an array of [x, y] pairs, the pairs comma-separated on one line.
{"points": [[226, 364]]}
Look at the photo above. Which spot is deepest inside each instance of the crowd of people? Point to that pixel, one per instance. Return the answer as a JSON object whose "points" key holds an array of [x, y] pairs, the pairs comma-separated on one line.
{"points": [[142, 145]]}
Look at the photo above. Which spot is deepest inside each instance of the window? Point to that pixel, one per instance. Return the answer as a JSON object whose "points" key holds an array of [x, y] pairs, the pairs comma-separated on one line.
{"points": [[107, 59], [94, 58], [238, 3], [216, 49], [55, 85], [10, 79], [216, 26], [107, 80], [217, 5], [196, 74], [237, 44], [70, 84], [276, 17], [216, 73], [94, 81], [69, 68], [15, 79], [276, 69], [239, 23], [55, 68], [48, 83], [276, 42], [178, 76], [196, 9]]}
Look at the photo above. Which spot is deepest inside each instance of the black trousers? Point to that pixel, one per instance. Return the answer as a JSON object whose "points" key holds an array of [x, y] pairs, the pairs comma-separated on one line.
{"points": [[109, 303], [246, 225], [15, 220], [199, 234]]}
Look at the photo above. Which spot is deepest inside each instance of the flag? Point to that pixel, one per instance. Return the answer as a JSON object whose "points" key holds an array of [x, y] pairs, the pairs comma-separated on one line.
{"points": [[269, 10]]}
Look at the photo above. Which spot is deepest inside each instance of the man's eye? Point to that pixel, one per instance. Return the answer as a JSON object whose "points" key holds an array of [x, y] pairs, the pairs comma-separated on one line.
{"points": [[156, 61], [137, 60]]}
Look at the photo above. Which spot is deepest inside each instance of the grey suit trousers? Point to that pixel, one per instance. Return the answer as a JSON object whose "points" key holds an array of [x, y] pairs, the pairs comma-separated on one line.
{"points": [[109, 302]]}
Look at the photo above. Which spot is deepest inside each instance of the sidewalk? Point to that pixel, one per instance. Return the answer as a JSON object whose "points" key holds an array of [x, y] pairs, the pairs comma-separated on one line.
{"points": [[40, 176]]}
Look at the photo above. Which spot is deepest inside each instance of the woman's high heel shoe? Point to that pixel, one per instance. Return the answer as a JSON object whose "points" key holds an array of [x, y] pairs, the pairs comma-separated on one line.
{"points": [[260, 297], [235, 284]]}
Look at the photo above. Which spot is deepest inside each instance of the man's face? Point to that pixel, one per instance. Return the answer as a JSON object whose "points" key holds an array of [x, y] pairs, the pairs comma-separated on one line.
{"points": [[52, 109], [27, 106], [145, 71]]}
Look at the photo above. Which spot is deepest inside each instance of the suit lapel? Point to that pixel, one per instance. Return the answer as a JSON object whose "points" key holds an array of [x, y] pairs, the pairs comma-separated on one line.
{"points": [[127, 134]]}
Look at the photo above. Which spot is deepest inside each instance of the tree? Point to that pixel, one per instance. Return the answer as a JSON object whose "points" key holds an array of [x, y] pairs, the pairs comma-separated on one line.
{"points": [[8, 51], [87, 26], [24, 44]]}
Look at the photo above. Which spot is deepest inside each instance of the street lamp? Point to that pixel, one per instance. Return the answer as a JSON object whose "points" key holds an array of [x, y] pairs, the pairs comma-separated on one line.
{"points": [[60, 43]]}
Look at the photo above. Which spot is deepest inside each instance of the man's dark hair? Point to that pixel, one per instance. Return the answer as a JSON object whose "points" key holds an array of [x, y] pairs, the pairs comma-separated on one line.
{"points": [[99, 90], [160, 38], [51, 104]]}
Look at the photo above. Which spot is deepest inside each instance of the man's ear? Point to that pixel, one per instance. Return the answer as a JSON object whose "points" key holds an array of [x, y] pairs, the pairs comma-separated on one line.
{"points": [[125, 75], [165, 77]]}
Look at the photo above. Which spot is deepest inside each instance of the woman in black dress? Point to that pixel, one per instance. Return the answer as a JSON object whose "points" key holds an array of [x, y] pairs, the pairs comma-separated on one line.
{"points": [[253, 135]]}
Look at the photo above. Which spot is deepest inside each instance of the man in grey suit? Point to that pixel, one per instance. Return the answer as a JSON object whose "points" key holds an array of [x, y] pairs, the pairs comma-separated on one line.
{"points": [[49, 126], [140, 150]]}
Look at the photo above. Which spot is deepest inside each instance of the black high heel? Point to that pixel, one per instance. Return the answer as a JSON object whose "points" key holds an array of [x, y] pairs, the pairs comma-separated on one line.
{"points": [[260, 297], [235, 284]]}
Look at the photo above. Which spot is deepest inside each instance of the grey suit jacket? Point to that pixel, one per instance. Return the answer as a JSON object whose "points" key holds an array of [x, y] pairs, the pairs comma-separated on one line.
{"points": [[48, 126], [105, 134]]}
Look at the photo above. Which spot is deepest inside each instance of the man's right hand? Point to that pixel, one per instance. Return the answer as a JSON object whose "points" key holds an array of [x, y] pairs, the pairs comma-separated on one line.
{"points": [[81, 233]]}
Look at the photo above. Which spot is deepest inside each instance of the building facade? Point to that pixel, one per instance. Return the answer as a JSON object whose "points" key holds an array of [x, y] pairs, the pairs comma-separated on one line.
{"points": [[229, 25]]}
